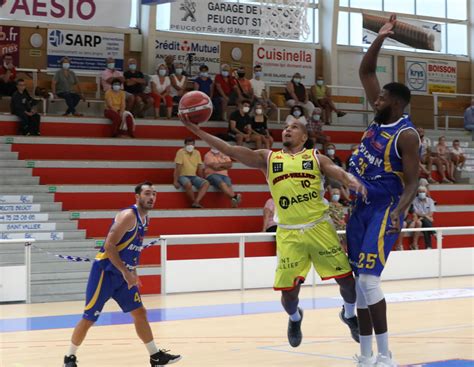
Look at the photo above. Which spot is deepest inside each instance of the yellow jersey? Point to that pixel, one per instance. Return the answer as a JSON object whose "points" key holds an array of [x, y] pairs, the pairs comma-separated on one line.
{"points": [[297, 187]]}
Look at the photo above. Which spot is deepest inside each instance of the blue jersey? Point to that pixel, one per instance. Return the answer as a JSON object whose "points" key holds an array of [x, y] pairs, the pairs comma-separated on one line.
{"points": [[129, 246], [377, 162]]}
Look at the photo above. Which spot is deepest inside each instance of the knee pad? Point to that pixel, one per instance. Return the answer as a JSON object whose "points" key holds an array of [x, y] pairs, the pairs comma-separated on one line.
{"points": [[361, 303], [370, 287]]}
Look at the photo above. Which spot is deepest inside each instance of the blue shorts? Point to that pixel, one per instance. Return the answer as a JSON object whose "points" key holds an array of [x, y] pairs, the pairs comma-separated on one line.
{"points": [[102, 286], [195, 181], [216, 179], [368, 244]]}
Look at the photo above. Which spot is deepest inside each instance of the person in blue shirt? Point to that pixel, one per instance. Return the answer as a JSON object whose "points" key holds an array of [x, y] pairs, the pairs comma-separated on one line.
{"points": [[469, 117], [387, 162]]}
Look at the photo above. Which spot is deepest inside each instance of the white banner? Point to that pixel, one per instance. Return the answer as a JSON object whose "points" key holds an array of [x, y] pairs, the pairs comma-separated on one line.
{"points": [[424, 76], [39, 236], [87, 50], [27, 227], [201, 52], [95, 13], [20, 208], [16, 199], [280, 63], [24, 217]]}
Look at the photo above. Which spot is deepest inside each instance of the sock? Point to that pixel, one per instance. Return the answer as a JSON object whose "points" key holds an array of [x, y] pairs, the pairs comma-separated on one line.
{"points": [[382, 344], [151, 347], [296, 316], [349, 310], [72, 350], [366, 345]]}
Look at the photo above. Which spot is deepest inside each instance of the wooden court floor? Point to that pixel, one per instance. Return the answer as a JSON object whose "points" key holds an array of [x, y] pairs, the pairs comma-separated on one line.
{"points": [[429, 320]]}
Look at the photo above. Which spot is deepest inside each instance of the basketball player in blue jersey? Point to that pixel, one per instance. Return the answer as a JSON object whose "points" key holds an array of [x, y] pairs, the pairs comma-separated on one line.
{"points": [[113, 275], [386, 161]]}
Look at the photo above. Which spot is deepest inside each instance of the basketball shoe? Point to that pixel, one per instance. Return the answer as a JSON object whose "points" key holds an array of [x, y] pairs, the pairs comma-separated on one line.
{"points": [[294, 331], [364, 361], [352, 323], [162, 357], [70, 361], [384, 361]]}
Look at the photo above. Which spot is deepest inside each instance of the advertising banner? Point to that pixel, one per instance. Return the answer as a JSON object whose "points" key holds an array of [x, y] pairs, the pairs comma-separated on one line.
{"points": [[10, 42], [280, 63], [87, 50], [96, 13], [424, 76]]}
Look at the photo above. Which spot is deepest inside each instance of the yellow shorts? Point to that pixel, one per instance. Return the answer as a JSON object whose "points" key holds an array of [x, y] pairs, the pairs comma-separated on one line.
{"points": [[297, 249]]}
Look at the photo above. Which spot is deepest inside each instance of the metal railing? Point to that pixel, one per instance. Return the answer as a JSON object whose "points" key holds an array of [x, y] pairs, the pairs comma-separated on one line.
{"points": [[436, 114]]}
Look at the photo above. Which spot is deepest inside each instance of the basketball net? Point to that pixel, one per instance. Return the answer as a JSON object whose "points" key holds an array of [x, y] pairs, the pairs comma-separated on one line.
{"points": [[284, 19]]}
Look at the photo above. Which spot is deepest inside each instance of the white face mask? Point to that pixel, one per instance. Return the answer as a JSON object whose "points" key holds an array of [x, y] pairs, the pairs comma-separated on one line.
{"points": [[316, 117], [214, 150], [297, 113], [246, 109], [133, 67], [111, 65], [204, 74], [225, 73], [422, 195], [116, 87], [66, 65], [179, 71], [320, 82], [162, 72], [331, 151], [336, 197], [258, 111], [297, 80], [189, 148]]}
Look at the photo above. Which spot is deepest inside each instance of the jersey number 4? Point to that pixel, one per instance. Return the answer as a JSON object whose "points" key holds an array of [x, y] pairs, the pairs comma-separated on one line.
{"points": [[137, 297], [367, 261]]}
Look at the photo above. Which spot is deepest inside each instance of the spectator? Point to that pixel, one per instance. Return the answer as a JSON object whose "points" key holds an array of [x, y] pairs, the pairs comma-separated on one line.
{"points": [[296, 94], [115, 109], [334, 184], [296, 113], [135, 83], [331, 154], [424, 208], [7, 76], [321, 97], [161, 90], [468, 116], [411, 220], [224, 92], [63, 86], [189, 172], [315, 128], [109, 74], [457, 155], [240, 126], [260, 92], [169, 64], [178, 83], [216, 166], [337, 215], [203, 82], [259, 125], [442, 152], [22, 106], [244, 88], [427, 159], [269, 224]]}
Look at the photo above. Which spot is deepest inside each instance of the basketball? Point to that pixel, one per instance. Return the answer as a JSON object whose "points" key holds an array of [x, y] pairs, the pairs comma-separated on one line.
{"points": [[195, 107]]}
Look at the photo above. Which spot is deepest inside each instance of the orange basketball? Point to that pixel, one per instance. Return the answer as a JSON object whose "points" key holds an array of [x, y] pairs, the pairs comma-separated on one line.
{"points": [[195, 107]]}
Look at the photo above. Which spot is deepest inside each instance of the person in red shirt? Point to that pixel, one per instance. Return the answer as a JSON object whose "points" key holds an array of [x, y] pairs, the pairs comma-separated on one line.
{"points": [[7, 76], [224, 92], [244, 87]]}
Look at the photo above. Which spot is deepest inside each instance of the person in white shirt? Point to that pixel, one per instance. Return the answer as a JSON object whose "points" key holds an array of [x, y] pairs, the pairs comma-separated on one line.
{"points": [[260, 92], [457, 155], [424, 207], [161, 89], [178, 83]]}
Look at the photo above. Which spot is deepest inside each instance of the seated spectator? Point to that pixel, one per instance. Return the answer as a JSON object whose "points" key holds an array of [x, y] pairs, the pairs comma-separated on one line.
{"points": [[203, 82], [178, 83], [442, 153], [240, 126], [169, 64], [224, 92], [296, 113], [260, 92], [161, 90], [331, 154], [411, 220], [423, 208], [135, 83], [457, 155], [22, 105], [269, 224], [7, 76], [468, 116], [244, 88], [315, 128], [109, 74], [337, 215], [63, 86], [189, 172], [115, 109], [321, 97], [427, 159], [334, 184], [216, 165], [296, 94], [259, 125]]}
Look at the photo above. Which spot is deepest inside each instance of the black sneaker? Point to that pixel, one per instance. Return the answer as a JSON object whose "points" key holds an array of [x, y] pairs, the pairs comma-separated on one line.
{"points": [[352, 323], [163, 357], [70, 361], [294, 331]]}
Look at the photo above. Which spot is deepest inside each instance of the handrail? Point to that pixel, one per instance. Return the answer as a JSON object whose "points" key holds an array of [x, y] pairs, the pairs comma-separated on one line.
{"points": [[436, 110]]}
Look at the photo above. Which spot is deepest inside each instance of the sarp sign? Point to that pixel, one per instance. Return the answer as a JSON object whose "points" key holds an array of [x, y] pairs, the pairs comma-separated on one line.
{"points": [[428, 76], [111, 13]]}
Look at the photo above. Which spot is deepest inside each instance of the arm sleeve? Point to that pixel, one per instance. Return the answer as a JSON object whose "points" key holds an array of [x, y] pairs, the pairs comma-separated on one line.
{"points": [[179, 157]]}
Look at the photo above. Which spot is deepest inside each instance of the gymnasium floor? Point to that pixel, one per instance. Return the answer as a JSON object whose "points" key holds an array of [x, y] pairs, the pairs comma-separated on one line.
{"points": [[430, 320]]}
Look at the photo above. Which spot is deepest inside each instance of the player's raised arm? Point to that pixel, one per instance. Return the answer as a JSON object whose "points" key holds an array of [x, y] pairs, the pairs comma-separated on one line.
{"points": [[368, 66], [249, 157]]}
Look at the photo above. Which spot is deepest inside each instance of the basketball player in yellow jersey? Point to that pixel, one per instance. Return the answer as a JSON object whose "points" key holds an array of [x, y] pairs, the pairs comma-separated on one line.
{"points": [[305, 234]]}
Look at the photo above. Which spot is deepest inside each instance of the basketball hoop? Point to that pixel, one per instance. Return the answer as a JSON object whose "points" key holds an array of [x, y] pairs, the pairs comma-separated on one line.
{"points": [[284, 19]]}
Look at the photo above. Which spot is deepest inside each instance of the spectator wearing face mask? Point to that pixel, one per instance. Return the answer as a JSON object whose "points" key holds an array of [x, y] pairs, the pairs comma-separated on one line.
{"points": [[244, 87], [161, 91], [424, 208], [64, 85], [334, 184], [469, 117], [296, 113], [115, 109], [178, 83], [259, 125], [269, 224], [189, 172], [135, 83], [321, 96], [315, 128], [296, 94], [240, 126], [224, 90], [260, 92], [203, 82], [216, 172], [7, 76], [457, 155], [109, 74]]}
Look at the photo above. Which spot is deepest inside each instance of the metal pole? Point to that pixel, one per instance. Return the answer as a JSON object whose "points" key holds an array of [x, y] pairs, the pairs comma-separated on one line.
{"points": [[446, 122], [28, 271], [163, 244], [242, 259], [439, 243], [435, 115]]}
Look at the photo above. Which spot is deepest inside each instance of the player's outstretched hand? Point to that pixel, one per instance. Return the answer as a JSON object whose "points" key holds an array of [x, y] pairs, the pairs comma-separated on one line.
{"points": [[355, 185], [387, 28], [395, 226], [191, 127]]}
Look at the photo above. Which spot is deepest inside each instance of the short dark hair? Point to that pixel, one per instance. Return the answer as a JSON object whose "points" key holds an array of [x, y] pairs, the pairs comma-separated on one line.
{"points": [[258, 66], [455, 141], [189, 139], [203, 67], [139, 187], [245, 101], [296, 107], [116, 80], [399, 90], [19, 81]]}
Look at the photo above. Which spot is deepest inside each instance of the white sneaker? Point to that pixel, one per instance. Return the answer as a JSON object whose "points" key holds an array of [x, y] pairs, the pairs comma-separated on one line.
{"points": [[384, 361], [363, 361]]}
